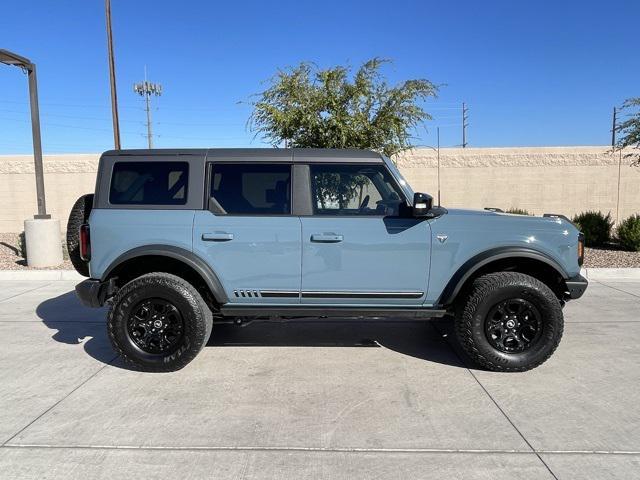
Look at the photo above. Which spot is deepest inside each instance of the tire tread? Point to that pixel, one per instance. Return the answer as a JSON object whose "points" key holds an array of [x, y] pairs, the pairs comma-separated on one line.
{"points": [[480, 289], [185, 289]]}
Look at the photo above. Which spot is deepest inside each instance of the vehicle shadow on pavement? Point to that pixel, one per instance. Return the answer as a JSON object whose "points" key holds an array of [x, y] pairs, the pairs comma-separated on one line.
{"points": [[420, 339], [76, 324]]}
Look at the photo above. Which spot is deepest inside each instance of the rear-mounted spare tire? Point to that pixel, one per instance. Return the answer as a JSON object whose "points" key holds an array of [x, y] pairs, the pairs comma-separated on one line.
{"points": [[79, 215]]}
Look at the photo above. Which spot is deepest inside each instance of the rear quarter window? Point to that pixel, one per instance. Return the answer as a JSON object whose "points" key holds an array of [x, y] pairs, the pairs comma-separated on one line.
{"points": [[149, 183]]}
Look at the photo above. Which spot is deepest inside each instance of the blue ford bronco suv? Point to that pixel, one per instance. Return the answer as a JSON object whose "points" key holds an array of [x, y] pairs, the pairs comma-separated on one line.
{"points": [[177, 240]]}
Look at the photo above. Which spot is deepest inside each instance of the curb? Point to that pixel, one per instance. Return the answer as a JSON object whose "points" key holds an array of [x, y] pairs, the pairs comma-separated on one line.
{"points": [[589, 273], [40, 275], [611, 273]]}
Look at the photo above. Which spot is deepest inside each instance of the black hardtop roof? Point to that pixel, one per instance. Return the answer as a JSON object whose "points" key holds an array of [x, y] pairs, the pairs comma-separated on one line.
{"points": [[258, 154]]}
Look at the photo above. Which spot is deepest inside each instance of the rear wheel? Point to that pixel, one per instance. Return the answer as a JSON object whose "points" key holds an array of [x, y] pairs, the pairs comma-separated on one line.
{"points": [[159, 322], [79, 214], [509, 321]]}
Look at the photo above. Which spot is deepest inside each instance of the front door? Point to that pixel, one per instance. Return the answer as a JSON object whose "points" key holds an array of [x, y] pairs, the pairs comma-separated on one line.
{"points": [[356, 249], [248, 235]]}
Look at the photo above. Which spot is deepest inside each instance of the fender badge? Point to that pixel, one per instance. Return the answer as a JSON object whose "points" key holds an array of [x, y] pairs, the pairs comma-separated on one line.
{"points": [[442, 237]]}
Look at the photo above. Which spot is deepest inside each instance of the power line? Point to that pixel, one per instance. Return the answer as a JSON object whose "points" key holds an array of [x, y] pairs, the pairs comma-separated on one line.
{"points": [[78, 127], [79, 117]]}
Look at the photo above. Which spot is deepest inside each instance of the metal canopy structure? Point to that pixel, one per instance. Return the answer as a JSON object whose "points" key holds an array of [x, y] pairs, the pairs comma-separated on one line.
{"points": [[15, 60]]}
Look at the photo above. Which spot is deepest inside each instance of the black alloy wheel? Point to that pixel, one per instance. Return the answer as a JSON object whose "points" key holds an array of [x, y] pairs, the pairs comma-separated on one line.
{"points": [[156, 326], [513, 326]]}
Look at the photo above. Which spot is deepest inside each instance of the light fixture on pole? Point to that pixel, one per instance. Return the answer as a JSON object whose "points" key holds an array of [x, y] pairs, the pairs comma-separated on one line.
{"points": [[42, 233]]}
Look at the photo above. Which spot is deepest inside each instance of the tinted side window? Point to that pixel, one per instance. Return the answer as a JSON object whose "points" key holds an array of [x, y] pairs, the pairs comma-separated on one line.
{"points": [[354, 190], [252, 189], [149, 183]]}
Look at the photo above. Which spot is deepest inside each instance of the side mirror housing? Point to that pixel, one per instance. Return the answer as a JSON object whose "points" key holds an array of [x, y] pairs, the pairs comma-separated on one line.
{"points": [[422, 204]]}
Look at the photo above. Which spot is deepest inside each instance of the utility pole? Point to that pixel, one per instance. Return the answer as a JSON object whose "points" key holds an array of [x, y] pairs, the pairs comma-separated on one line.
{"points": [[112, 78], [465, 117], [146, 89], [613, 129]]}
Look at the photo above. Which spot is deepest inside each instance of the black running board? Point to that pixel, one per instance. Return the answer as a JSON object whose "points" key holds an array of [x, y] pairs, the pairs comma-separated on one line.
{"points": [[254, 311]]}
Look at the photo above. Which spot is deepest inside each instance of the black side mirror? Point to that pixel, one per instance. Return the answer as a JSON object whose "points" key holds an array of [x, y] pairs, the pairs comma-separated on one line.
{"points": [[422, 204]]}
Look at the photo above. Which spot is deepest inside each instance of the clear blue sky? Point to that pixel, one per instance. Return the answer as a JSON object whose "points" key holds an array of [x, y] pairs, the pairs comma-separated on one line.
{"points": [[532, 73]]}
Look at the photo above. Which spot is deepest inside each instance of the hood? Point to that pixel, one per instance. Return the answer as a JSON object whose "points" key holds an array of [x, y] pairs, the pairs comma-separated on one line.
{"points": [[501, 218]]}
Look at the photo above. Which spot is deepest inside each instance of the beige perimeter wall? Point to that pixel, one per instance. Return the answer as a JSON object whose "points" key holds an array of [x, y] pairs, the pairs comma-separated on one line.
{"points": [[563, 180]]}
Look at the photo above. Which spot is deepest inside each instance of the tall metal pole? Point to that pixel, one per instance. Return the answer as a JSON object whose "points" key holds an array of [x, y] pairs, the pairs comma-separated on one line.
{"points": [[464, 125], [147, 97], [618, 193], [438, 131], [37, 142], [112, 79], [149, 134], [613, 129]]}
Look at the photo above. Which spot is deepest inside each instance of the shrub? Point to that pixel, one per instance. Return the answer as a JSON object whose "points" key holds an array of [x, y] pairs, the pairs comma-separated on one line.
{"points": [[518, 211], [596, 227], [629, 233], [22, 246]]}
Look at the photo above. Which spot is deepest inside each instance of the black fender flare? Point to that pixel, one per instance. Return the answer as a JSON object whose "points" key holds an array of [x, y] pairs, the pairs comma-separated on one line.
{"points": [[472, 265], [187, 257]]}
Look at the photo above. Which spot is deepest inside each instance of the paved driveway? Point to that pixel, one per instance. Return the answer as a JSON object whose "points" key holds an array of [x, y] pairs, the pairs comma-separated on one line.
{"points": [[316, 399]]}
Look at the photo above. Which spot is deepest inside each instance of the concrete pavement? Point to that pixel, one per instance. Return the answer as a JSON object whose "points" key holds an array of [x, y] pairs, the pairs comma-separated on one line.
{"points": [[316, 399]]}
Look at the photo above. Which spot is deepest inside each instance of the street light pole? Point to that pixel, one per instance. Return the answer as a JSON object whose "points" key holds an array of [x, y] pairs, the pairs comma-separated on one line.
{"points": [[37, 143], [9, 58], [42, 233]]}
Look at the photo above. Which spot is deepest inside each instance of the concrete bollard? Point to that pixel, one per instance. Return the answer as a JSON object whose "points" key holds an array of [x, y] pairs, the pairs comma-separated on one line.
{"points": [[44, 247]]}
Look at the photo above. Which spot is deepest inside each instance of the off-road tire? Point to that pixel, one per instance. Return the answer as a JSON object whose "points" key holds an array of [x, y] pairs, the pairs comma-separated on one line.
{"points": [[79, 215], [488, 291], [195, 313]]}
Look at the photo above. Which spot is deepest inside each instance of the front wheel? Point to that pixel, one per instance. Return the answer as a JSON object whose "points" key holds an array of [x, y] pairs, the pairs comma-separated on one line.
{"points": [[509, 322], [159, 322]]}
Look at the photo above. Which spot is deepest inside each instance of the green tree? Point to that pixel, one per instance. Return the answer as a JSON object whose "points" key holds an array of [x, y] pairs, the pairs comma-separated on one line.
{"points": [[305, 106], [630, 130]]}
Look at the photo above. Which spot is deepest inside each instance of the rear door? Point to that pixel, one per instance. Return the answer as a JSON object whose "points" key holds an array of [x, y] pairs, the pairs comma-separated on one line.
{"points": [[248, 235], [356, 248]]}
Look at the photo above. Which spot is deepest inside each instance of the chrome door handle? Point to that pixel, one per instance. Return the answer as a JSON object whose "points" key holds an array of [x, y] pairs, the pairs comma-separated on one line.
{"points": [[217, 237], [326, 238]]}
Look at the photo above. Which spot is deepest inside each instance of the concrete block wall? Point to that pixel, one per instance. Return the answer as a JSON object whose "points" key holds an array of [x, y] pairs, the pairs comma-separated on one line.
{"points": [[563, 180], [566, 180], [66, 178]]}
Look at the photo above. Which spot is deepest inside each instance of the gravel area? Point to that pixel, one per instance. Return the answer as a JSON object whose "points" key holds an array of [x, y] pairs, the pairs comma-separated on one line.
{"points": [[610, 258], [11, 257]]}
